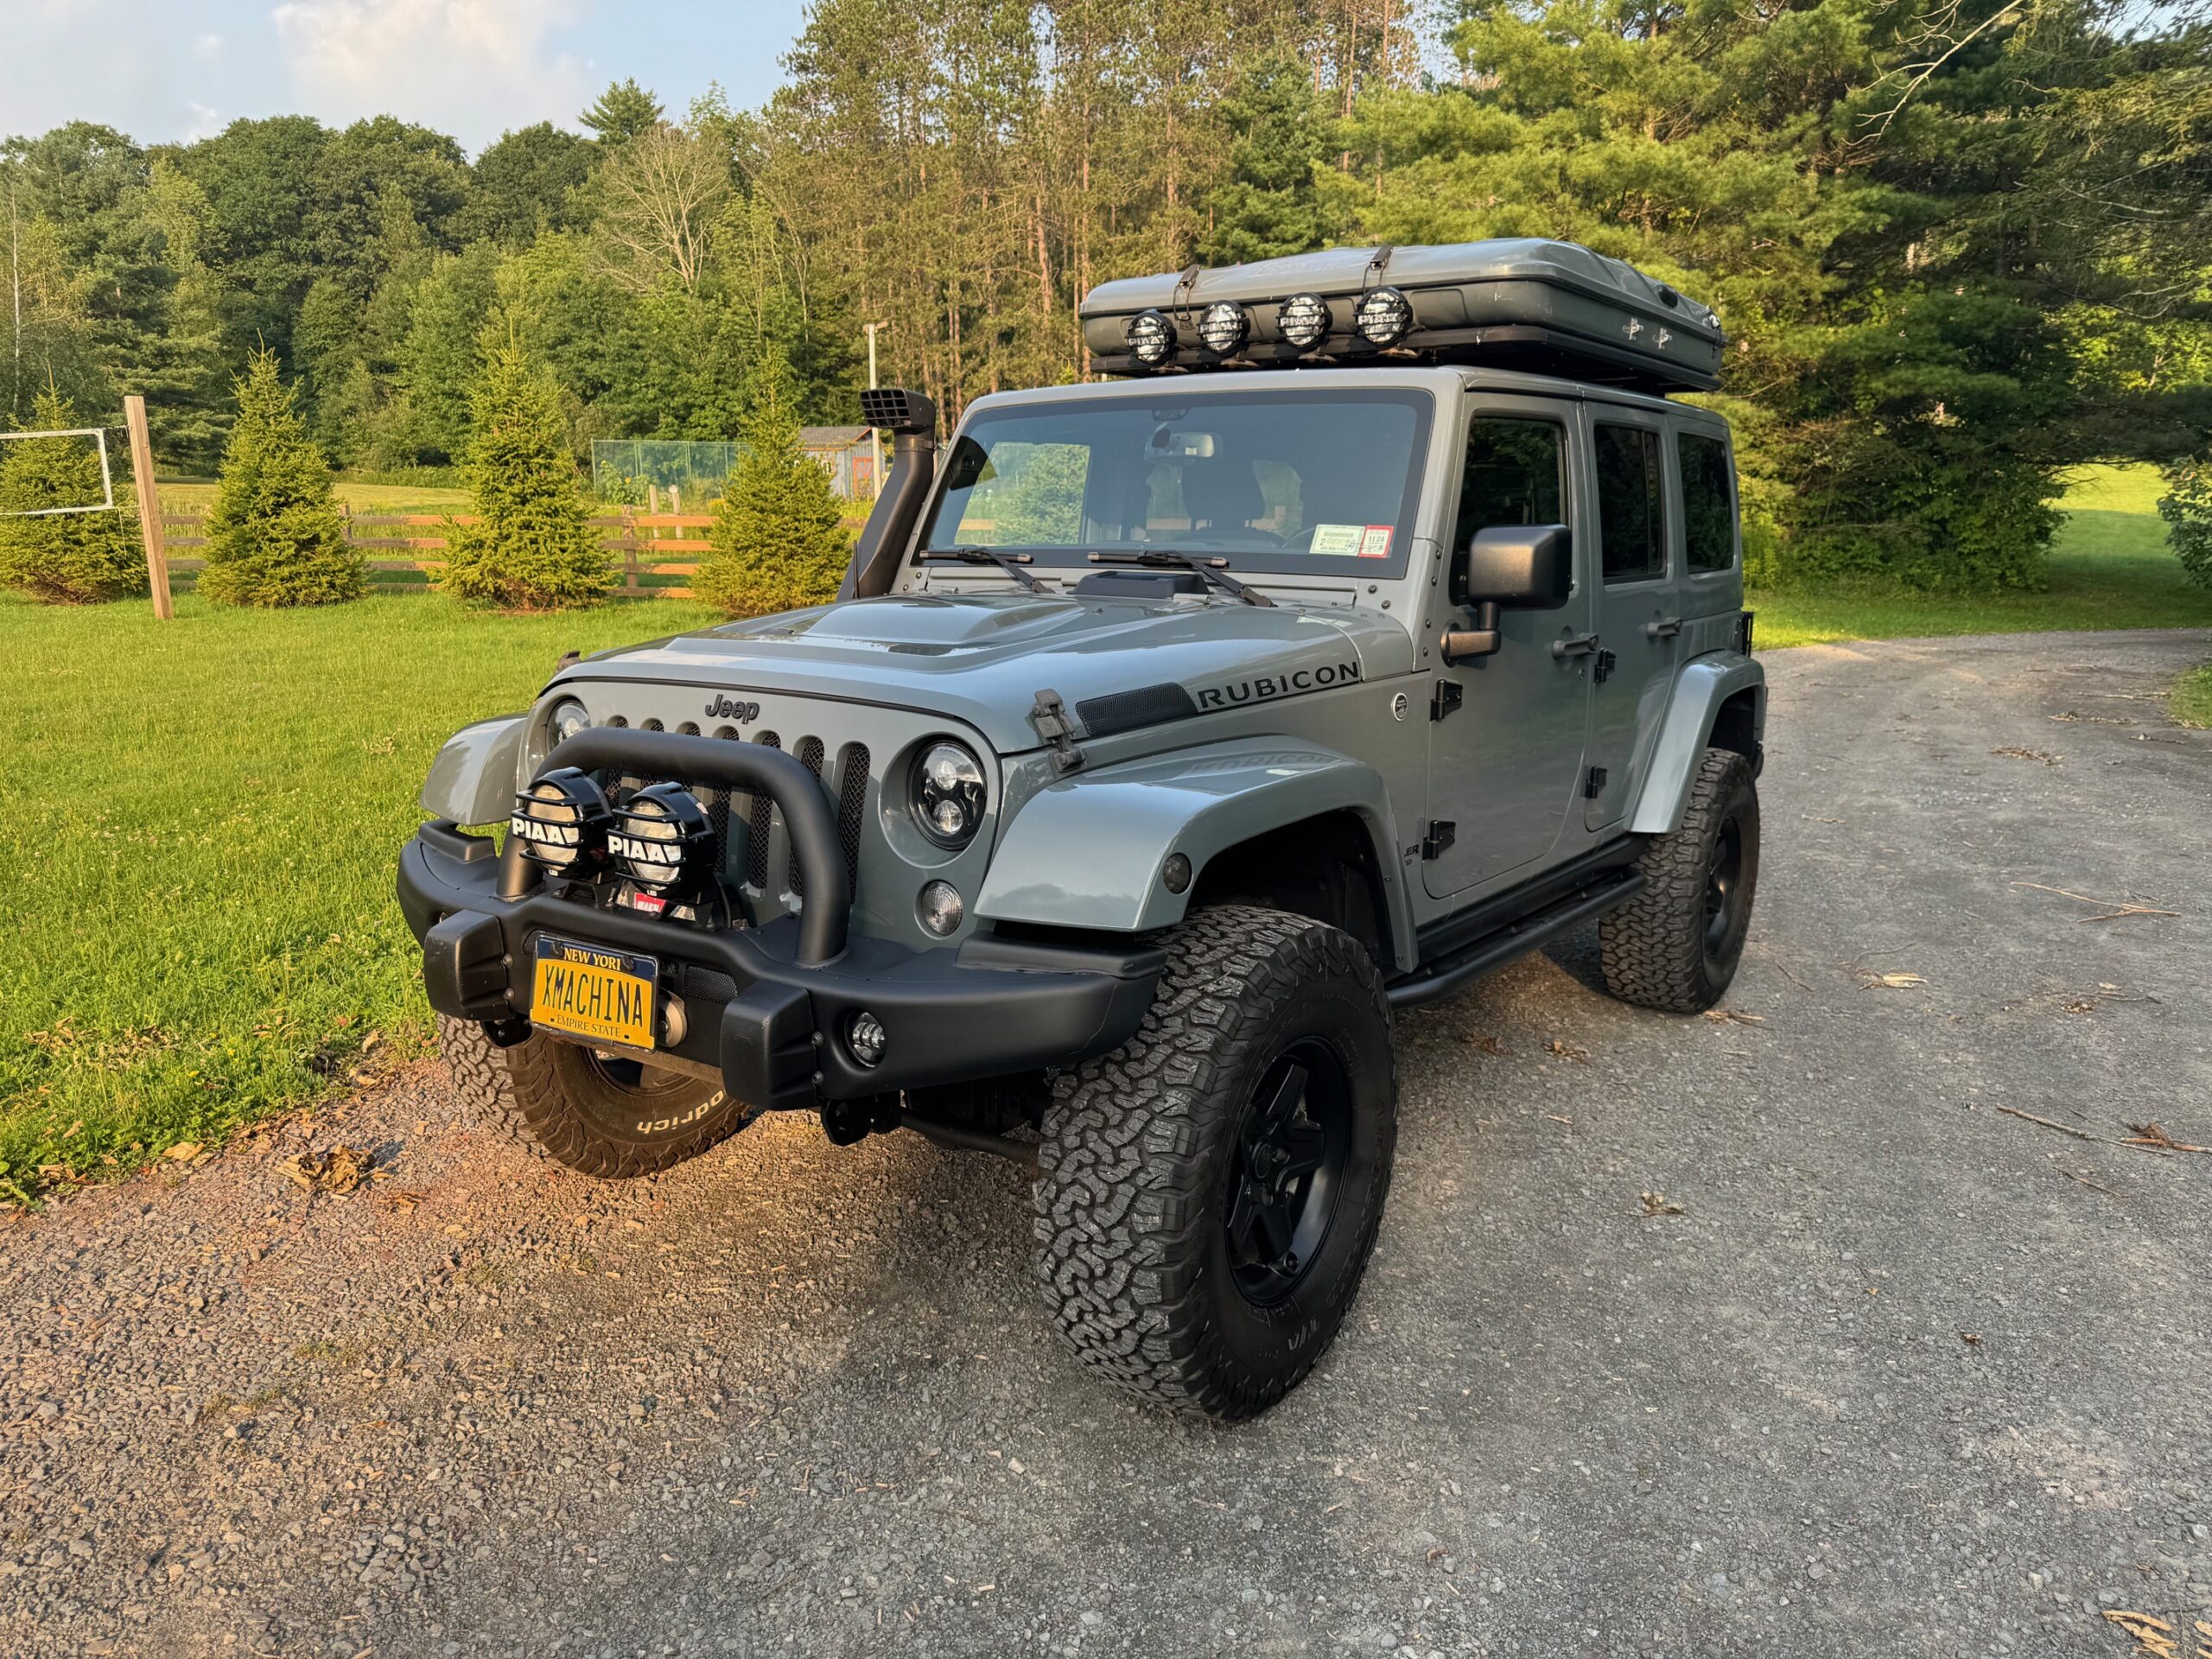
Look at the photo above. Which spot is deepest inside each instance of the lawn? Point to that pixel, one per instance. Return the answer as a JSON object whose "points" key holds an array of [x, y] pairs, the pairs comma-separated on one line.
{"points": [[202, 817], [361, 498]]}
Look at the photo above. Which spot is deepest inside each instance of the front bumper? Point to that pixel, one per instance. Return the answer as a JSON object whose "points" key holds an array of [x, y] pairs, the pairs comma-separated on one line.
{"points": [[773, 1027]]}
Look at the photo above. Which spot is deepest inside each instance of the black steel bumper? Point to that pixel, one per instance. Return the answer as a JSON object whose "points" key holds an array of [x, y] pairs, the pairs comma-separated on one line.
{"points": [[773, 1026]]}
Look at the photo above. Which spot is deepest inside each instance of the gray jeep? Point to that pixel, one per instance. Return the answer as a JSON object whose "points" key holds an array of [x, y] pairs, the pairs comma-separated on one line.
{"points": [[1381, 622]]}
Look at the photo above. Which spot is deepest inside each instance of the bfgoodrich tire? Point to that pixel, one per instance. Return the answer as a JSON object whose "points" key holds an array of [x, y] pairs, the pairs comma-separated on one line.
{"points": [[605, 1117], [1676, 945], [1208, 1193]]}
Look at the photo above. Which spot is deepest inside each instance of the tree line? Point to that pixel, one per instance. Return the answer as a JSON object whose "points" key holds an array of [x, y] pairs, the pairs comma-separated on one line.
{"points": [[1960, 245]]}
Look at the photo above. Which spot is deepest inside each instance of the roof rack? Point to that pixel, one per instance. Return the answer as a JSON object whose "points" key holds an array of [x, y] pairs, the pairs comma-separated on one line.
{"points": [[1556, 308]]}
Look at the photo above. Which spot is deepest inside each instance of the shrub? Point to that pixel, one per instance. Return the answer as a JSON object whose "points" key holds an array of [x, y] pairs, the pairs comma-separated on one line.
{"points": [[778, 544], [275, 535], [533, 547], [76, 558], [2187, 508]]}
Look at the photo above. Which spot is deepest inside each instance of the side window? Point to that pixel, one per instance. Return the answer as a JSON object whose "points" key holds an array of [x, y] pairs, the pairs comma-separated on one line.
{"points": [[1632, 524], [1708, 501], [1515, 475]]}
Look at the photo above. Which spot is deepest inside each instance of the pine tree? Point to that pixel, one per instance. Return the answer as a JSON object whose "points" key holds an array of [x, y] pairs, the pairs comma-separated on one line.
{"points": [[778, 544], [533, 547], [75, 558], [275, 535], [622, 111]]}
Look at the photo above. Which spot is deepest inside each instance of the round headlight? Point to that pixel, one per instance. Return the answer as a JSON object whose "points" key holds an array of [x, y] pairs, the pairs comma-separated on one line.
{"points": [[1383, 316], [1304, 320], [1150, 337], [568, 717], [562, 820], [948, 794], [1223, 327], [662, 840]]}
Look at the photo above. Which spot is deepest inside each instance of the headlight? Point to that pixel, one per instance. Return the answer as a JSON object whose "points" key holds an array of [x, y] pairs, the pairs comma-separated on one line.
{"points": [[663, 841], [1223, 327], [948, 794], [562, 820], [1383, 316], [1303, 319], [1150, 337], [568, 717]]}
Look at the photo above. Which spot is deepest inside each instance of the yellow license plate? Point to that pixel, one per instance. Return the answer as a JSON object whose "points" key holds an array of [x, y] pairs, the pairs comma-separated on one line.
{"points": [[582, 990]]}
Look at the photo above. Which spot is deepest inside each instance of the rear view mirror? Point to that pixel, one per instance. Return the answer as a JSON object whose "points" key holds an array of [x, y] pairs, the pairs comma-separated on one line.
{"points": [[1508, 567]]}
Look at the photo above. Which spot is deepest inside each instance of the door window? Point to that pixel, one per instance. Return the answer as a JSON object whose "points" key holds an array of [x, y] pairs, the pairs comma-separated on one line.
{"points": [[1708, 503], [1515, 475], [1632, 523]]}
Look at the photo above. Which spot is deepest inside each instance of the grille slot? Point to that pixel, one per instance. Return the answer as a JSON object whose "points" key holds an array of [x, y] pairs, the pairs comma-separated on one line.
{"points": [[810, 753], [851, 802], [757, 826]]}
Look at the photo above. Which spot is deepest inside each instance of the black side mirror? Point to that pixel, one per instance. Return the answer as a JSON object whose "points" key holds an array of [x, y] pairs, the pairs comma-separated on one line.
{"points": [[1508, 567]]}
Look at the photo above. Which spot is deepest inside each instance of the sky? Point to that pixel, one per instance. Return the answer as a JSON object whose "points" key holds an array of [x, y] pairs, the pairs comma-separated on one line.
{"points": [[165, 70]]}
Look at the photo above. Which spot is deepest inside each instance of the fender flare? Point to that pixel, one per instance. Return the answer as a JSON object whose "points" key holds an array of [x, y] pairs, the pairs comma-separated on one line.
{"points": [[1700, 689], [1088, 852], [475, 776]]}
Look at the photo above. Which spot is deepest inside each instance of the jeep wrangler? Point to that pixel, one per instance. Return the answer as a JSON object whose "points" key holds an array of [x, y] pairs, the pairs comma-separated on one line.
{"points": [[1379, 620]]}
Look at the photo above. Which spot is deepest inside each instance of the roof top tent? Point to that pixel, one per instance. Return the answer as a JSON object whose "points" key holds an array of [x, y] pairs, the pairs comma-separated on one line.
{"points": [[1554, 308]]}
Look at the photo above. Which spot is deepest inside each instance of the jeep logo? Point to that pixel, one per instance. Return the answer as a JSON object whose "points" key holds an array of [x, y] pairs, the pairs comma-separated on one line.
{"points": [[1263, 687], [724, 709]]}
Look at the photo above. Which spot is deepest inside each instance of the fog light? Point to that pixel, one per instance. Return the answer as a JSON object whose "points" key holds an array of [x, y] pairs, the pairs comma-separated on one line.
{"points": [[663, 841], [1223, 327], [1303, 319], [940, 907], [562, 820], [866, 1037], [1383, 316], [1150, 337]]}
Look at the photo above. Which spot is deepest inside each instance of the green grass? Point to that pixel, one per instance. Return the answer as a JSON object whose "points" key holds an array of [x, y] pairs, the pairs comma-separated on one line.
{"points": [[2110, 567], [2192, 697], [361, 498], [196, 849]]}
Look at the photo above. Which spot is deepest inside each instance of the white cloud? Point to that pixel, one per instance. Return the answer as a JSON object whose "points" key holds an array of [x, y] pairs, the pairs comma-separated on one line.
{"points": [[206, 49], [470, 68]]}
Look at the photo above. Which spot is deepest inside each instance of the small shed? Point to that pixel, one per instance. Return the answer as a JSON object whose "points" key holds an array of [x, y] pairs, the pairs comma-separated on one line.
{"points": [[846, 456]]}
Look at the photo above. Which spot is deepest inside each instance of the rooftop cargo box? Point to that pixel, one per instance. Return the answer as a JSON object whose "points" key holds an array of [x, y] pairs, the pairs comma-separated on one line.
{"points": [[1553, 306]]}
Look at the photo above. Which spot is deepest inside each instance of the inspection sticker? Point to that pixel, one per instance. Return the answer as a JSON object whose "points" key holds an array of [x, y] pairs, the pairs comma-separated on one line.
{"points": [[1340, 539], [1375, 542]]}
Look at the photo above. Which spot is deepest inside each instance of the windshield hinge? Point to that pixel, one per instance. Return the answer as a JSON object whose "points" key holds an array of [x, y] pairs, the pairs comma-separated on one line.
{"points": [[1444, 697], [1442, 832], [1050, 717]]}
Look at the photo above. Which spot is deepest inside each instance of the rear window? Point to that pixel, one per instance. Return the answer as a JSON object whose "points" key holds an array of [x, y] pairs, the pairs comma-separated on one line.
{"points": [[1708, 501]]}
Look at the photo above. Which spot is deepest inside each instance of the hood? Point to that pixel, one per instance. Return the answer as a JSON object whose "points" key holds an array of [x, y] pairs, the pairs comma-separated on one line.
{"points": [[982, 659]]}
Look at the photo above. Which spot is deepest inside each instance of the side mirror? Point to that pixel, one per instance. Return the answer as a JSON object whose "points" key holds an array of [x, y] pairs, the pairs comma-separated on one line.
{"points": [[1508, 567]]}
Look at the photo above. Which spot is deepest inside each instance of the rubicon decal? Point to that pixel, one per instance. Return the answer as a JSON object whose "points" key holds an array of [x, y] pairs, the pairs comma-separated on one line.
{"points": [[1262, 687]]}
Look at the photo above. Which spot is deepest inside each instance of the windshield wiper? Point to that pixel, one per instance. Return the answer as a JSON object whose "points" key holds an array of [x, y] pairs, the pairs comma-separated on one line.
{"points": [[1009, 562], [1169, 559]]}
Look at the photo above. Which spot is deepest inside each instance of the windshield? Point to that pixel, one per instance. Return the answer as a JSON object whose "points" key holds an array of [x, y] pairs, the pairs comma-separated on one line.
{"points": [[1272, 481]]}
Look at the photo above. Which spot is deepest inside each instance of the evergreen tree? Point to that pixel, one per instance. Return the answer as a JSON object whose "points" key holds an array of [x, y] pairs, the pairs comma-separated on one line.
{"points": [[622, 111], [778, 544], [533, 546], [77, 558], [275, 536]]}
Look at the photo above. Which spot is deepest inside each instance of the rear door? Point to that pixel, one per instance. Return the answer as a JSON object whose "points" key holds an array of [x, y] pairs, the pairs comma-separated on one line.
{"points": [[1637, 613], [1506, 758]]}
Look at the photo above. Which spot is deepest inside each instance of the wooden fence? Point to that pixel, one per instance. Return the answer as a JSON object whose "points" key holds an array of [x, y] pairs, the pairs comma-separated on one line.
{"points": [[656, 552]]}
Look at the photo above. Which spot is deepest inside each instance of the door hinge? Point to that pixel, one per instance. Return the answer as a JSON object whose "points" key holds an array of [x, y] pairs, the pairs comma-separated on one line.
{"points": [[1594, 784], [1442, 832], [1444, 697], [1603, 670]]}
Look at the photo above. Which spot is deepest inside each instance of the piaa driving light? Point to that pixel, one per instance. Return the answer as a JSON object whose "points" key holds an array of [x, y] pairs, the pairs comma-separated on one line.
{"points": [[948, 794], [662, 840], [1150, 337], [562, 820], [1383, 316], [1223, 325], [1303, 320]]}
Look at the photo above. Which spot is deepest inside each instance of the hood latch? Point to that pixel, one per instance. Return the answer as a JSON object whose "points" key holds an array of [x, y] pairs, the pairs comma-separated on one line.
{"points": [[1050, 717]]}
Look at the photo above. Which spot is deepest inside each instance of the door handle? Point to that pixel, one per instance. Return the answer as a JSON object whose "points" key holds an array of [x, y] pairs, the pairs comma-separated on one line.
{"points": [[1665, 628], [1575, 645]]}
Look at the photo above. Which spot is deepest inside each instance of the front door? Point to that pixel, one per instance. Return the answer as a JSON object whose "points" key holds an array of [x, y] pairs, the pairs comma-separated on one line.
{"points": [[1506, 731], [1638, 613]]}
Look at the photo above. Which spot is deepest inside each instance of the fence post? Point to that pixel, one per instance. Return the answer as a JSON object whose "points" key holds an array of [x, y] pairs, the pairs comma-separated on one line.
{"points": [[150, 506], [631, 588]]}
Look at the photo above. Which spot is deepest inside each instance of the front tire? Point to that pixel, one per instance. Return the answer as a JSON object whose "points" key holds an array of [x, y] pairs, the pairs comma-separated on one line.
{"points": [[1208, 1193], [1676, 945], [603, 1115]]}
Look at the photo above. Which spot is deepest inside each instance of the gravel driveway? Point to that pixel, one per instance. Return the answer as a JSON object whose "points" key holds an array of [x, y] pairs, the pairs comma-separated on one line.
{"points": [[1764, 1334]]}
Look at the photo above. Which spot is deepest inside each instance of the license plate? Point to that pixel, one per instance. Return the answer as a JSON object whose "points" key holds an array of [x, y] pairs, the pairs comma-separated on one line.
{"points": [[582, 990]]}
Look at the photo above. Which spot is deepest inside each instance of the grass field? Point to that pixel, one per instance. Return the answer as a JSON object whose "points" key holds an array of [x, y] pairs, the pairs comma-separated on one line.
{"points": [[2192, 702], [361, 498], [201, 816]]}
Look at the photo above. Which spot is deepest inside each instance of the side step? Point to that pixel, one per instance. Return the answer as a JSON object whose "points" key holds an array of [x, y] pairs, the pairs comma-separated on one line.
{"points": [[1434, 981]]}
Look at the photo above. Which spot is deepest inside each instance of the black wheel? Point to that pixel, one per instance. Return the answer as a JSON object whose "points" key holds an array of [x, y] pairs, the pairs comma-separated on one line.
{"points": [[603, 1114], [1208, 1193], [1676, 944]]}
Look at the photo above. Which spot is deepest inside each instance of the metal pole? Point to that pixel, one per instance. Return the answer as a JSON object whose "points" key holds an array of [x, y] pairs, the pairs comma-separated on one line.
{"points": [[874, 437], [150, 506]]}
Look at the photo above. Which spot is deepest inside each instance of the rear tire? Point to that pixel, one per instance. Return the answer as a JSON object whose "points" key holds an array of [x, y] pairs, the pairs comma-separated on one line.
{"points": [[1676, 945], [609, 1117], [1209, 1192]]}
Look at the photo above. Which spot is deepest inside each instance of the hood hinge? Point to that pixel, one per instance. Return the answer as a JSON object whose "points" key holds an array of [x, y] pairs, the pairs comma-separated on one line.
{"points": [[1050, 717]]}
